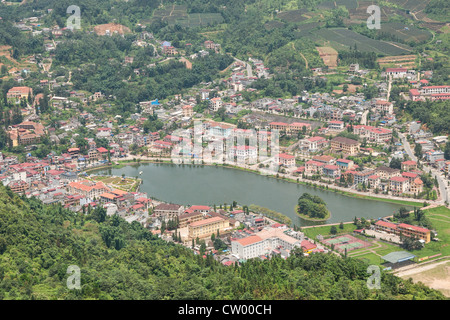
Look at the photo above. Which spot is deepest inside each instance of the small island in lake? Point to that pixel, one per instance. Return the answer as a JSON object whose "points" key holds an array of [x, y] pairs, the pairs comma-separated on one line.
{"points": [[312, 208]]}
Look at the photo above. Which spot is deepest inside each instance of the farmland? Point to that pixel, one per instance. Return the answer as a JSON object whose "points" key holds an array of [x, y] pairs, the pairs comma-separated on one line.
{"points": [[177, 14], [344, 39], [329, 56], [329, 5], [292, 16], [406, 61], [405, 33]]}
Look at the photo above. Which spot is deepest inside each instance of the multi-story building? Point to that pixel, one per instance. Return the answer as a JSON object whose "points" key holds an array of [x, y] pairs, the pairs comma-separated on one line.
{"points": [[286, 160], [313, 144], [188, 111], [264, 242], [387, 172], [336, 125], [17, 93], [168, 211], [345, 145], [409, 165], [189, 217], [345, 164], [373, 134], [215, 103], [87, 188], [398, 185], [384, 106], [404, 229], [206, 227]]}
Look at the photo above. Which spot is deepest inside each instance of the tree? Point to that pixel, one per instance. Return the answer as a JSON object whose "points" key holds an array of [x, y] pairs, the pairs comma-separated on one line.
{"points": [[395, 163], [418, 151], [333, 230], [341, 225]]}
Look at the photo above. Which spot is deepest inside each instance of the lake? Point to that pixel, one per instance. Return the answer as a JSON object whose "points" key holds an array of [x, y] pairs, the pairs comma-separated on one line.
{"points": [[208, 185]]}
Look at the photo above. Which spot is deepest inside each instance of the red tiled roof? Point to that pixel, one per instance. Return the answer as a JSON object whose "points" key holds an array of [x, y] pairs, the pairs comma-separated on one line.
{"points": [[416, 228]]}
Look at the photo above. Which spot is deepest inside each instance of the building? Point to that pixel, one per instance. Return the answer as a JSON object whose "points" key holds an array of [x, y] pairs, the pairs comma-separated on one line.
{"points": [[313, 144], [26, 133], [188, 111], [384, 106], [373, 134], [336, 125], [87, 188], [206, 227], [168, 211], [409, 165], [286, 160], [17, 93], [188, 218], [345, 145], [296, 127], [396, 73], [404, 229], [331, 171], [345, 164], [387, 172], [265, 242], [215, 103], [398, 185]]}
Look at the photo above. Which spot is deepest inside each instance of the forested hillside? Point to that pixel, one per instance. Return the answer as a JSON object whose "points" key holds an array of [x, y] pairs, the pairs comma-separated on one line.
{"points": [[124, 261]]}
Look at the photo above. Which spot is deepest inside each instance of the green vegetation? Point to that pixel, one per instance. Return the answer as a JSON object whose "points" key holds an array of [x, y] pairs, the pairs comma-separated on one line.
{"points": [[312, 207], [313, 232], [119, 260], [277, 216]]}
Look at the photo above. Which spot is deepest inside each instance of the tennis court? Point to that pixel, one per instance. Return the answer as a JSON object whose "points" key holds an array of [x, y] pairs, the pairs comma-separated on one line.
{"points": [[337, 240], [347, 242]]}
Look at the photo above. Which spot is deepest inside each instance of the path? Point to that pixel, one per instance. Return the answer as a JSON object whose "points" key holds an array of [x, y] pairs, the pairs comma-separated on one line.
{"points": [[304, 58], [420, 267]]}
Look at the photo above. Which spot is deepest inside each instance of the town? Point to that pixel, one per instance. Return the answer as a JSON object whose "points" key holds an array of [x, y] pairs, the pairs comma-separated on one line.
{"points": [[350, 131]]}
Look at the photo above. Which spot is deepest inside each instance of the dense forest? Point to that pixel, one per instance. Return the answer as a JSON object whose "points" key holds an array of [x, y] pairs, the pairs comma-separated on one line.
{"points": [[119, 260]]}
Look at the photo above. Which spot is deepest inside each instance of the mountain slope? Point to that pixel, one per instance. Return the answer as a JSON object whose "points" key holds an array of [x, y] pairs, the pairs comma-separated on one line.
{"points": [[119, 260]]}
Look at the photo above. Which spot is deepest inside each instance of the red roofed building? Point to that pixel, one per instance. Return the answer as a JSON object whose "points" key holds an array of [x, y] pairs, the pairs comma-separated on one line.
{"points": [[398, 185], [414, 231], [373, 181], [201, 209], [286, 160], [416, 186], [396, 72], [19, 93], [307, 246], [388, 227], [409, 165], [414, 94], [312, 166], [313, 144], [87, 188]]}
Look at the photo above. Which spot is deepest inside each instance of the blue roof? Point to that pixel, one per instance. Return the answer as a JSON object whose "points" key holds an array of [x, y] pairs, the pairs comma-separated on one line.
{"points": [[155, 102]]}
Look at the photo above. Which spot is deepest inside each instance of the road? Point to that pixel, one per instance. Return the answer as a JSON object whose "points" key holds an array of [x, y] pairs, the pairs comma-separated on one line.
{"points": [[443, 188], [249, 67], [364, 117]]}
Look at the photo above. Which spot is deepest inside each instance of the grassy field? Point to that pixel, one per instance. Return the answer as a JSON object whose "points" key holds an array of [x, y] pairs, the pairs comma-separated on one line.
{"points": [[440, 218], [125, 184], [312, 232]]}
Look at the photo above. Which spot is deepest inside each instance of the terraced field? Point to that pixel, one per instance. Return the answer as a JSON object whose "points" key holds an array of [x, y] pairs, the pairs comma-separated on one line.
{"points": [[328, 5], [344, 39], [177, 14], [293, 16], [405, 32]]}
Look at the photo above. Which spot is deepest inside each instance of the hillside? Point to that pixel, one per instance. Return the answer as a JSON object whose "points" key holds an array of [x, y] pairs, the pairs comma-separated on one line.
{"points": [[123, 261]]}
